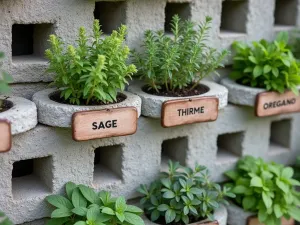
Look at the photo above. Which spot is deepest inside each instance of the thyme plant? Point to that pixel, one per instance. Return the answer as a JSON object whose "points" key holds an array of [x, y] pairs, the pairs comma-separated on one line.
{"points": [[178, 62], [94, 70], [183, 195]]}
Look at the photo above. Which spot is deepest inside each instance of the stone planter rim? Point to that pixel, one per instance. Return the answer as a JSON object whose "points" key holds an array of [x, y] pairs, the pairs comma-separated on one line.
{"points": [[152, 104], [57, 114], [22, 114]]}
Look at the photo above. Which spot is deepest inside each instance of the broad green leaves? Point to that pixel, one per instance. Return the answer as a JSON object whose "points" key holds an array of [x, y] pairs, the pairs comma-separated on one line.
{"points": [[183, 194], [266, 189], [269, 65], [93, 70], [5, 79], [83, 206]]}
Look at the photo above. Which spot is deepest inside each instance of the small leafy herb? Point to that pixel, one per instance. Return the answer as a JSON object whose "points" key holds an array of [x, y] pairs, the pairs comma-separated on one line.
{"points": [[90, 72], [294, 43], [177, 62], [269, 65], [4, 220], [183, 195], [83, 206], [266, 189], [5, 79]]}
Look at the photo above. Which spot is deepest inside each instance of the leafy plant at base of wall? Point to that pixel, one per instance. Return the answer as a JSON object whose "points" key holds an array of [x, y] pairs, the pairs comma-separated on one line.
{"points": [[296, 168], [83, 206], [265, 189], [183, 195], [176, 62], [4, 220], [268, 65], [90, 72]]}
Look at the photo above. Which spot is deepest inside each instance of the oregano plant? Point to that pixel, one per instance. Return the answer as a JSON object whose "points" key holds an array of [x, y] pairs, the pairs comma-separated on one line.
{"points": [[179, 62], [266, 189], [183, 195], [265, 64], [92, 71], [83, 206]]}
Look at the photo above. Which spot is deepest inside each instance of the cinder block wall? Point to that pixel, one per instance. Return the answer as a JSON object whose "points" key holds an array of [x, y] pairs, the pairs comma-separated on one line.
{"points": [[44, 159]]}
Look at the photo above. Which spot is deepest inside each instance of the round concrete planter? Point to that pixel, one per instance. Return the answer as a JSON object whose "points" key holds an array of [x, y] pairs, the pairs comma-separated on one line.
{"points": [[22, 115], [220, 215], [60, 115], [241, 94], [152, 104]]}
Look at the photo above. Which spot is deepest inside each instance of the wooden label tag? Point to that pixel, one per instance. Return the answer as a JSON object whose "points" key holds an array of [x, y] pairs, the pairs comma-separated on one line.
{"points": [[254, 221], [88, 125], [274, 103], [190, 110], [5, 136], [206, 223]]}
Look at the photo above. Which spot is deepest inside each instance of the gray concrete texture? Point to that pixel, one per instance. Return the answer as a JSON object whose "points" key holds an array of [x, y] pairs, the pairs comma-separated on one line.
{"points": [[43, 159]]}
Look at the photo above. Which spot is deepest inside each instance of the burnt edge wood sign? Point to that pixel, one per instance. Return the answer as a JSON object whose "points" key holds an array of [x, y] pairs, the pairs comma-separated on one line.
{"points": [[5, 136], [88, 125], [189, 110], [206, 223], [274, 103], [253, 220]]}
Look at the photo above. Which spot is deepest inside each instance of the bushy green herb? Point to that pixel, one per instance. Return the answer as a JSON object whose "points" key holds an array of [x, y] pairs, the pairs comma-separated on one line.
{"points": [[183, 195], [266, 189], [180, 61], [296, 168], [294, 43], [83, 206], [94, 70], [5, 78], [269, 65], [4, 220]]}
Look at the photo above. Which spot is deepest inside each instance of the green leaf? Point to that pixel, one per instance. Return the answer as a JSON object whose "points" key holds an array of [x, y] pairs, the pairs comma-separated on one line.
{"points": [[239, 189], [170, 215], [169, 194], [60, 213], [155, 215], [120, 216], [70, 186], [166, 182], [80, 211], [108, 211], [294, 213], [88, 193], [77, 199], [267, 68], [267, 199], [57, 221], [133, 209], [121, 205], [253, 59], [258, 70], [133, 219], [249, 202], [92, 213], [277, 211], [287, 172], [284, 187], [163, 207], [256, 182], [80, 223], [59, 202]]}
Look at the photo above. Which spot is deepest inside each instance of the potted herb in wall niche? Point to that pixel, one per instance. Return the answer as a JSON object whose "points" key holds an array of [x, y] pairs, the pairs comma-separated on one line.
{"points": [[185, 196], [265, 193], [265, 75], [83, 206], [17, 114], [89, 80], [172, 68]]}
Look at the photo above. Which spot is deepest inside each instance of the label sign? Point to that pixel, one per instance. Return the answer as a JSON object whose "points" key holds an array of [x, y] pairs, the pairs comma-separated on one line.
{"points": [[5, 136], [191, 110], [254, 221], [274, 103], [88, 125], [206, 223]]}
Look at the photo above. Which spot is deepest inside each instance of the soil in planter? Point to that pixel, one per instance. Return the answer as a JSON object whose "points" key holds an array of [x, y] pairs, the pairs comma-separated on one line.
{"points": [[6, 105], [161, 220], [56, 97], [186, 92]]}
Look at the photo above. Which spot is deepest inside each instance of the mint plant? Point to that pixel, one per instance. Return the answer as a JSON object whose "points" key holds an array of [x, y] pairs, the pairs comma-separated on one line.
{"points": [[266, 189], [179, 62], [268, 65], [83, 206], [183, 195], [4, 220], [5, 78], [94, 70]]}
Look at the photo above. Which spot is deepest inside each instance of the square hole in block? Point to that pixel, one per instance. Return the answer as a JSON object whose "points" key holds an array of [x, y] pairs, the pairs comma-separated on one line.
{"points": [[110, 14], [32, 177], [234, 16], [280, 135], [230, 146], [175, 150], [286, 12], [183, 10], [29, 41], [108, 164]]}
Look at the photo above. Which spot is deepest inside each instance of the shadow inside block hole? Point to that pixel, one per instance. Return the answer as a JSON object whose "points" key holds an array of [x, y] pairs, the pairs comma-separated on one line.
{"points": [[183, 10], [280, 135], [175, 150], [230, 146], [234, 16], [108, 164], [32, 177], [29, 41], [110, 14], [286, 12]]}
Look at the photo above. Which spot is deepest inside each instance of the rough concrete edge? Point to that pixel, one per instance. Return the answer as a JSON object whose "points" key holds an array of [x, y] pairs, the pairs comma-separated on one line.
{"points": [[237, 215]]}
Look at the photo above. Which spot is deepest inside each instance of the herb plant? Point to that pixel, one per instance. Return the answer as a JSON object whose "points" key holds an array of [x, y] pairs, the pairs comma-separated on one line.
{"points": [[266, 189], [92, 71], [83, 206], [294, 43], [178, 62], [296, 168], [4, 220], [5, 79], [269, 65], [183, 195]]}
